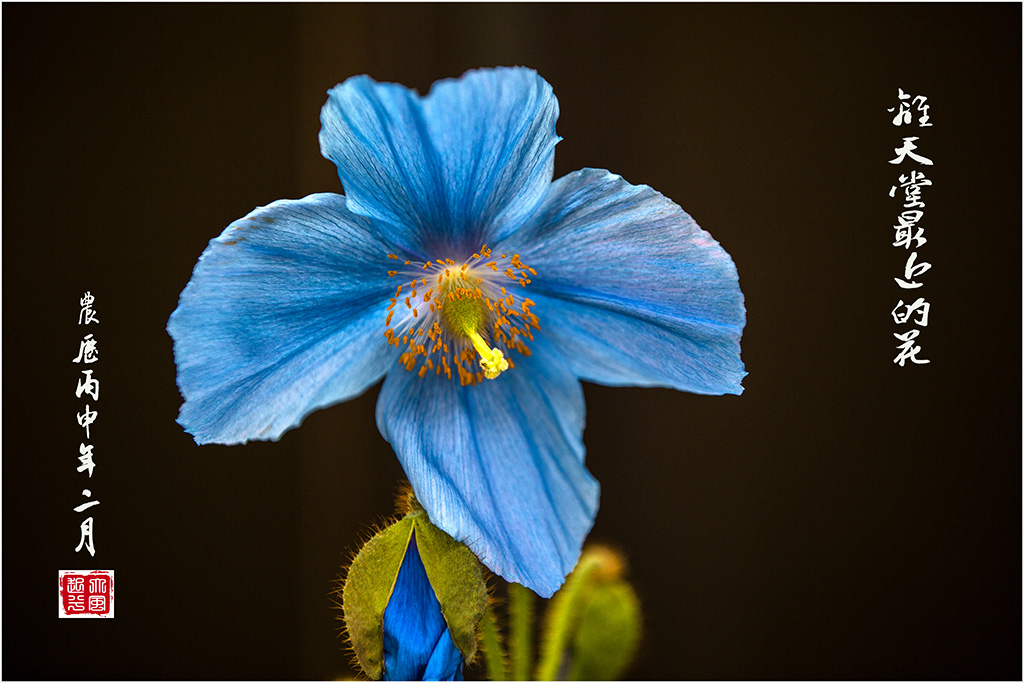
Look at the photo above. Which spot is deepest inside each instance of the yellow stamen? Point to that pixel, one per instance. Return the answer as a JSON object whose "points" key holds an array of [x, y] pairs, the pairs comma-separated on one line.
{"points": [[468, 328], [492, 360]]}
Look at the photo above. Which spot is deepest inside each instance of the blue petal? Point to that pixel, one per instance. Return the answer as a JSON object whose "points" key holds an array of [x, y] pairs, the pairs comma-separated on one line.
{"points": [[446, 662], [284, 314], [465, 165], [631, 289], [417, 643], [499, 466]]}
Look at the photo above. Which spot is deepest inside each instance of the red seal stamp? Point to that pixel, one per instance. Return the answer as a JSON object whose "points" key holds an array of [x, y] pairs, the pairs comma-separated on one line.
{"points": [[85, 593]]}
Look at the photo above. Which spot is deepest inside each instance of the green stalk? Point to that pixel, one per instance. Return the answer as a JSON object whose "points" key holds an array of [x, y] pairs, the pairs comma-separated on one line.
{"points": [[494, 658], [520, 608], [563, 614]]}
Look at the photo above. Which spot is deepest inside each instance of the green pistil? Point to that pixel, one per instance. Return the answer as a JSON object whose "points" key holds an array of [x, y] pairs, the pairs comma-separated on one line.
{"points": [[465, 315]]}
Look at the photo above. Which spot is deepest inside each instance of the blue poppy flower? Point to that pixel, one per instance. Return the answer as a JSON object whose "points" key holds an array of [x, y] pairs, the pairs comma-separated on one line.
{"points": [[481, 291], [418, 645]]}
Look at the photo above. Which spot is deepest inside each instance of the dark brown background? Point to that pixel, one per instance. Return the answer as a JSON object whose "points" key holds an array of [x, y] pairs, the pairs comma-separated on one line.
{"points": [[844, 518]]}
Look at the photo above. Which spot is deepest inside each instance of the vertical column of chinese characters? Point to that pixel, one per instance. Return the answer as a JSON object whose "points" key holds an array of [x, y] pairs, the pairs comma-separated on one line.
{"points": [[88, 387], [909, 234]]}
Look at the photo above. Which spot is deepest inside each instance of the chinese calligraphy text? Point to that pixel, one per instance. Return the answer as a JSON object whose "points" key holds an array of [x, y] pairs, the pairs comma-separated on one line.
{"points": [[909, 234]]}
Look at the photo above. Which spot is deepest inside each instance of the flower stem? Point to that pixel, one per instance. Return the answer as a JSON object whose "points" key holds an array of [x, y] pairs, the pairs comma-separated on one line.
{"points": [[494, 658], [562, 615], [520, 607]]}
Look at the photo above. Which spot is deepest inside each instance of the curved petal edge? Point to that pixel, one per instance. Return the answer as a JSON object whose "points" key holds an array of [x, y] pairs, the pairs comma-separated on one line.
{"points": [[631, 289], [466, 164], [499, 466], [282, 316]]}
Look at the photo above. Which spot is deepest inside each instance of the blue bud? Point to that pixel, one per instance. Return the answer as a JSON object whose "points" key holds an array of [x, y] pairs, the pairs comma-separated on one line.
{"points": [[413, 600], [417, 643]]}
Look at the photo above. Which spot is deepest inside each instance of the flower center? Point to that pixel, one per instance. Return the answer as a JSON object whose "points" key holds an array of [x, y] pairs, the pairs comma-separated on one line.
{"points": [[460, 316]]}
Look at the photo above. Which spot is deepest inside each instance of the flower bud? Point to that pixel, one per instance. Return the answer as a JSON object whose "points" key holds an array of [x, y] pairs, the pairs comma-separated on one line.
{"points": [[593, 623], [412, 600], [608, 635]]}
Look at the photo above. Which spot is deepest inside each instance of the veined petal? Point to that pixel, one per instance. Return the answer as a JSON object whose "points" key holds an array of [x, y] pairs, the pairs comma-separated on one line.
{"points": [[282, 316], [467, 164], [499, 466], [631, 289], [417, 643]]}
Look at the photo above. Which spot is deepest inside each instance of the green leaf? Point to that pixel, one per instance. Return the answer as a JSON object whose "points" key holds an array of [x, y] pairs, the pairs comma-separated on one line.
{"points": [[457, 578], [368, 586]]}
